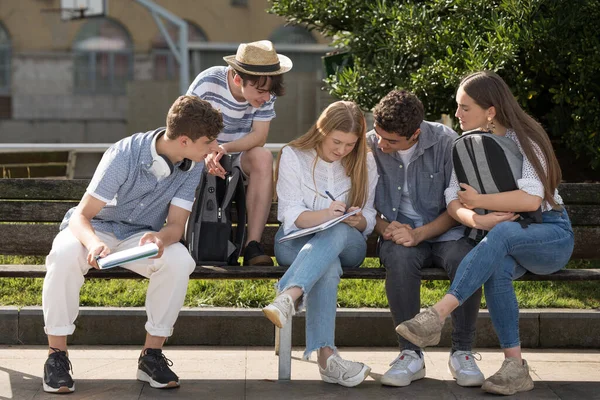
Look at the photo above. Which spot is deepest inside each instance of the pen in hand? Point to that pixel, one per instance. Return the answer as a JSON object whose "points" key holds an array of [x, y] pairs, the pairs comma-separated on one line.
{"points": [[332, 198]]}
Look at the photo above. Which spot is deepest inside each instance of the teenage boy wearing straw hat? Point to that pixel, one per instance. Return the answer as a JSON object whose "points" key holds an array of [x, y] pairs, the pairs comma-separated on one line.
{"points": [[245, 93]]}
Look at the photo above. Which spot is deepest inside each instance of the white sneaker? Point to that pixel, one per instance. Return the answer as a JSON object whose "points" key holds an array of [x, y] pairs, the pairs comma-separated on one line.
{"points": [[280, 310], [344, 372], [407, 367], [464, 369]]}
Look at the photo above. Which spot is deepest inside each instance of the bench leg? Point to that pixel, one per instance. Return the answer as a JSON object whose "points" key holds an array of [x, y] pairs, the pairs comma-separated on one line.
{"points": [[285, 351], [276, 341]]}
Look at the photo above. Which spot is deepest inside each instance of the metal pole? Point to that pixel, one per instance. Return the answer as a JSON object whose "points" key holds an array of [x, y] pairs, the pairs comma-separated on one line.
{"points": [[181, 53]]}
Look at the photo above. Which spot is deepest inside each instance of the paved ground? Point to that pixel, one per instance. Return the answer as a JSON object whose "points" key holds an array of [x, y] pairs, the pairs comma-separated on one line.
{"points": [[103, 372]]}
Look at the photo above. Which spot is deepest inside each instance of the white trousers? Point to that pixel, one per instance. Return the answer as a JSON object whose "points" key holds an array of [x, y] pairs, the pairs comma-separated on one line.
{"points": [[66, 266]]}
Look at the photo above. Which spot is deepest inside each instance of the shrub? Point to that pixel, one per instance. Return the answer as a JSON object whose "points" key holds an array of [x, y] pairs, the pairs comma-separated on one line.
{"points": [[548, 51]]}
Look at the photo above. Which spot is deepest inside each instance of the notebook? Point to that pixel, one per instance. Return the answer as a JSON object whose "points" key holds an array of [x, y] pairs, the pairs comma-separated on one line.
{"points": [[126, 256], [318, 228]]}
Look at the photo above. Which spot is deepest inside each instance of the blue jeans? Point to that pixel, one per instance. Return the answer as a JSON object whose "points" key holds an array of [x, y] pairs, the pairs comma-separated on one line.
{"points": [[316, 263], [506, 253]]}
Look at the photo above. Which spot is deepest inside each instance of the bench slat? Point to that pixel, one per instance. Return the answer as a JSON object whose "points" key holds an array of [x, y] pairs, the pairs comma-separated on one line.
{"points": [[36, 240], [232, 272], [48, 189], [54, 211]]}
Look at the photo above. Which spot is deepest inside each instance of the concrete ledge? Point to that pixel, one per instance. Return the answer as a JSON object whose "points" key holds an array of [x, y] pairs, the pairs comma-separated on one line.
{"points": [[9, 325], [248, 327]]}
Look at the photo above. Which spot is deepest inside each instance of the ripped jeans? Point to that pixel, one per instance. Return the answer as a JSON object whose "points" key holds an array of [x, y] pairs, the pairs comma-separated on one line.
{"points": [[316, 263]]}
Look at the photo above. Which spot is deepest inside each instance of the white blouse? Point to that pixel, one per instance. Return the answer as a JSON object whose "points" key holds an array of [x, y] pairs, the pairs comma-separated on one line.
{"points": [[530, 182], [296, 191]]}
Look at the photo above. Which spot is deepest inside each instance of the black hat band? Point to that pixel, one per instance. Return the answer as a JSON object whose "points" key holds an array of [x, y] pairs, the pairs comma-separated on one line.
{"points": [[258, 68]]}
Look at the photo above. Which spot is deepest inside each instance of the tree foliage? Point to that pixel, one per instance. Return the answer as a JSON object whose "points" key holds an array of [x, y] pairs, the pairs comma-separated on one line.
{"points": [[548, 51]]}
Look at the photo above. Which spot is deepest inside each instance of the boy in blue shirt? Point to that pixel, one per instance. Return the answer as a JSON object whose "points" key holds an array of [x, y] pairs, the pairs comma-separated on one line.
{"points": [[141, 181]]}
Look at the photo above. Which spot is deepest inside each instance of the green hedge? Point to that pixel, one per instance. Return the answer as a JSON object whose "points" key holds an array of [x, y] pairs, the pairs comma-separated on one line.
{"points": [[548, 51]]}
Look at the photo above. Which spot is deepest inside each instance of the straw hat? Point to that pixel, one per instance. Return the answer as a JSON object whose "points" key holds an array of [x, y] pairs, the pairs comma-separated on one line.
{"points": [[259, 58]]}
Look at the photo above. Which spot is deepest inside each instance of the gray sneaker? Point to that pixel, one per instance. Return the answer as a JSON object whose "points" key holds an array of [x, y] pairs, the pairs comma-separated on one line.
{"points": [[407, 367], [512, 377], [344, 372], [280, 310], [425, 329], [464, 369]]}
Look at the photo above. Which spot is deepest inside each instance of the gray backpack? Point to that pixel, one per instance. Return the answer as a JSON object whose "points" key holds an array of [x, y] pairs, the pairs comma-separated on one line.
{"points": [[490, 164]]}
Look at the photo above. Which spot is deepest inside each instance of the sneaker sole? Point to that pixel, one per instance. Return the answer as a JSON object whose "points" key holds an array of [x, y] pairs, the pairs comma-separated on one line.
{"points": [[144, 377], [416, 340], [355, 381], [415, 377], [262, 261], [468, 380], [495, 389], [272, 313], [62, 389]]}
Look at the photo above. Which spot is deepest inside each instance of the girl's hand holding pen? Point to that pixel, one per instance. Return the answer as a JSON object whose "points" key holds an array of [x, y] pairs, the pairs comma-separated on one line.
{"points": [[336, 209]]}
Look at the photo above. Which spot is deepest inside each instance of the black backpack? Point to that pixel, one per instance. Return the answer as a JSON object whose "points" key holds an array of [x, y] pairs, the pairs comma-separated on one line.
{"points": [[210, 237], [490, 164]]}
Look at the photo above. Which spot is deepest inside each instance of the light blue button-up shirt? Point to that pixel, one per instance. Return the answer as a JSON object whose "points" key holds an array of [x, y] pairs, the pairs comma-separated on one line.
{"points": [[429, 173], [136, 200]]}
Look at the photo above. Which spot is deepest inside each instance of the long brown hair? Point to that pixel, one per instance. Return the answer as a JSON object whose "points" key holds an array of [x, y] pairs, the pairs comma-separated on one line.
{"points": [[344, 116], [487, 89]]}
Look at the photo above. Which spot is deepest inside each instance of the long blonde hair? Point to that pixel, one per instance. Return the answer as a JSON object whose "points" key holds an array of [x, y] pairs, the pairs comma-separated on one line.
{"points": [[344, 116], [488, 89]]}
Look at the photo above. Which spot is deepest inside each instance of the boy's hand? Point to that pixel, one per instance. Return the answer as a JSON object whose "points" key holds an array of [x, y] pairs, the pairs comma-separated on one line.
{"points": [[406, 236], [151, 237], [213, 162], [97, 249], [490, 220]]}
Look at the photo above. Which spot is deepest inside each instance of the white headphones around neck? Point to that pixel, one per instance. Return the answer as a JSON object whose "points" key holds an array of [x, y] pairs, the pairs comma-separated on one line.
{"points": [[161, 166]]}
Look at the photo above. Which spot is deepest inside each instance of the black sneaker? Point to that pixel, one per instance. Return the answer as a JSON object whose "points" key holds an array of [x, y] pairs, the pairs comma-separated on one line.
{"points": [[56, 373], [153, 367], [254, 254]]}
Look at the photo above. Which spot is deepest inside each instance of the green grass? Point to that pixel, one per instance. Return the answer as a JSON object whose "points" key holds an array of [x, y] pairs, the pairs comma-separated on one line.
{"points": [[257, 293]]}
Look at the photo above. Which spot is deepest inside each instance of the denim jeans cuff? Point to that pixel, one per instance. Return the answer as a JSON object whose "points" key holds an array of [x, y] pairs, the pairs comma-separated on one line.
{"points": [[458, 296], [308, 352], [510, 345]]}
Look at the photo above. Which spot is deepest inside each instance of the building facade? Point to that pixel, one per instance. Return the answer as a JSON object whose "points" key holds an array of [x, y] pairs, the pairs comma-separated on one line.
{"points": [[97, 80]]}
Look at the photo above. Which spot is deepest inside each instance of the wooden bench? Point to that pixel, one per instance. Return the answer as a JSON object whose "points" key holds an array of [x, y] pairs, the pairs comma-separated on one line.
{"points": [[31, 209]]}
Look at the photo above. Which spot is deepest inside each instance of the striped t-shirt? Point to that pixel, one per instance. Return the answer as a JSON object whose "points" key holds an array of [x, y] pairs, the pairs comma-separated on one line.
{"points": [[211, 85]]}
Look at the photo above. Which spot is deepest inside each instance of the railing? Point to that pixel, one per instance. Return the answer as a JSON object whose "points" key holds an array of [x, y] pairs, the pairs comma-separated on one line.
{"points": [[68, 163]]}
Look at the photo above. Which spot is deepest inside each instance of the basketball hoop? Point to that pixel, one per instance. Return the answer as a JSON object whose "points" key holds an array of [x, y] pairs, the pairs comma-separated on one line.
{"points": [[71, 10]]}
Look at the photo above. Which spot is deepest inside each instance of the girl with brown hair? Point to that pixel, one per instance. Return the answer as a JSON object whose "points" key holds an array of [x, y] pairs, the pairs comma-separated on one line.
{"points": [[509, 250]]}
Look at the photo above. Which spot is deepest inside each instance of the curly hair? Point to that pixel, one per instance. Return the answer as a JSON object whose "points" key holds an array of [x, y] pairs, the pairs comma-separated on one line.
{"points": [[194, 118], [399, 112], [258, 81]]}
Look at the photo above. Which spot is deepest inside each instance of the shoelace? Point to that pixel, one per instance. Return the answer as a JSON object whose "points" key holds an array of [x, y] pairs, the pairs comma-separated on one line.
{"points": [[344, 364], [161, 360], [62, 362], [424, 316], [467, 359], [400, 362]]}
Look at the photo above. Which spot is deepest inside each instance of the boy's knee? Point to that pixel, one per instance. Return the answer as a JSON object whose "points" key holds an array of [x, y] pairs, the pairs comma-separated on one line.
{"points": [[178, 260]]}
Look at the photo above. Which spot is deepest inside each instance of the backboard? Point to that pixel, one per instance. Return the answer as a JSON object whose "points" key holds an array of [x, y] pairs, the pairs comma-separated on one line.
{"points": [[78, 9]]}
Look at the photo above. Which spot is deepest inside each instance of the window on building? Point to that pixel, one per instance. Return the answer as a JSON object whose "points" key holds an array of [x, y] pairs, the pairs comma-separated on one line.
{"points": [[103, 57], [4, 61], [165, 66]]}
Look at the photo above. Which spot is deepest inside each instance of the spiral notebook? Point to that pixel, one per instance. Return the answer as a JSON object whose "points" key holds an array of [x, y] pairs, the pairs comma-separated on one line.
{"points": [[318, 228], [126, 256]]}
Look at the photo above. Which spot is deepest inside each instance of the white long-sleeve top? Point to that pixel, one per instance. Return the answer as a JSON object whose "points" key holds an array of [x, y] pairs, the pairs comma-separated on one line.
{"points": [[530, 182], [296, 191]]}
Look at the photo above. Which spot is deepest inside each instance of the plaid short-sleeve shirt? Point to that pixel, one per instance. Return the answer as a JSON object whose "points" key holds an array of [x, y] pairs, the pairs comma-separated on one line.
{"points": [[135, 199]]}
